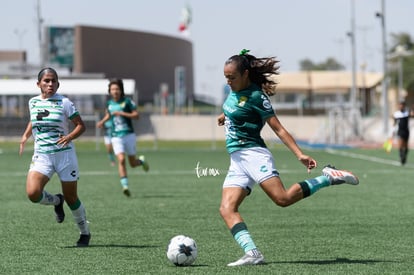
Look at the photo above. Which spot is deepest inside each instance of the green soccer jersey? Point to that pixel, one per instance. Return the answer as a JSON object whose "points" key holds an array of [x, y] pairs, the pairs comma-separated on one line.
{"points": [[121, 125], [245, 113]]}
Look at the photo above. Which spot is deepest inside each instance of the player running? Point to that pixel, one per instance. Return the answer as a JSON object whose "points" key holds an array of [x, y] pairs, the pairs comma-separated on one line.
{"points": [[121, 110], [54, 151]]}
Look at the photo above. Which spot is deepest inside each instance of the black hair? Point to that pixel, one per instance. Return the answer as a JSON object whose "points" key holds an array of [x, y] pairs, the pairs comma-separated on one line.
{"points": [[45, 71], [260, 69], [119, 82]]}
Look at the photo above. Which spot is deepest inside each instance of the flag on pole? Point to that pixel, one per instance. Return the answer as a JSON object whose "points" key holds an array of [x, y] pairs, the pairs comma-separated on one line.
{"points": [[185, 21]]}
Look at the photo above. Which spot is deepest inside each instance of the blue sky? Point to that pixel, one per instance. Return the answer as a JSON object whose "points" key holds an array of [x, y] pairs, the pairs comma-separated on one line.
{"points": [[290, 30]]}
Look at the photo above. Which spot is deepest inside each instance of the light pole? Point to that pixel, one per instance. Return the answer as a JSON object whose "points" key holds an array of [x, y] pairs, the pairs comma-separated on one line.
{"points": [[353, 96], [385, 112], [39, 34]]}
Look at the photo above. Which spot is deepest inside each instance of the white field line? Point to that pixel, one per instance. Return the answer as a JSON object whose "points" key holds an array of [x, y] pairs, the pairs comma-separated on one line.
{"points": [[365, 157]]}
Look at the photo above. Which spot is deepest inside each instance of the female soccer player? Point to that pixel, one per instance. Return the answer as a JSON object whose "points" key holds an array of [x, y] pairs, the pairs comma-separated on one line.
{"points": [[121, 110], [402, 129], [54, 152], [246, 110]]}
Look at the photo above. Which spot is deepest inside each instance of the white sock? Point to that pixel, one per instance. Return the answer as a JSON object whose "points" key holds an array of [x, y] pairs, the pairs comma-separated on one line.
{"points": [[80, 218], [49, 199]]}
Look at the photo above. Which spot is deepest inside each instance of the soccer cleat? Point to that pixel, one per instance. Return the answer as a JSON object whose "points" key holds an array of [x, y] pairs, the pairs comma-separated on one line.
{"points": [[126, 192], [249, 260], [144, 164], [60, 213], [83, 240], [337, 176]]}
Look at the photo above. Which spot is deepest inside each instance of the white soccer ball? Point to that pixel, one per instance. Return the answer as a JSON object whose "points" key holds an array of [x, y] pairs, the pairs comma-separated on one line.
{"points": [[182, 250]]}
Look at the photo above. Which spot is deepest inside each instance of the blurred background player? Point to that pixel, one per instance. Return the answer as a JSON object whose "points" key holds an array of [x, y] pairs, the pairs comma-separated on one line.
{"points": [[402, 129], [121, 110], [54, 151]]}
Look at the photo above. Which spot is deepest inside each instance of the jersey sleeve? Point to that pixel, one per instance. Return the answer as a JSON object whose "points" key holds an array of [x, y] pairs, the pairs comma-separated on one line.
{"points": [[263, 106], [69, 108]]}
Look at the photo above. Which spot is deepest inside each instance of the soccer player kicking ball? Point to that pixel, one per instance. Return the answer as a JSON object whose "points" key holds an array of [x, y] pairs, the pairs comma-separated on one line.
{"points": [[245, 111]]}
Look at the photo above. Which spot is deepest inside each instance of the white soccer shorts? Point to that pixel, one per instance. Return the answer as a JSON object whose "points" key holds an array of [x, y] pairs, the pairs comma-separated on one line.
{"points": [[64, 164], [250, 166], [126, 144]]}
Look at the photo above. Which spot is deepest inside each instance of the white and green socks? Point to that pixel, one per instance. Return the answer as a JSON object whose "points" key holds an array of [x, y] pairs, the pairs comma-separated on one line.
{"points": [[310, 186], [244, 239], [124, 182], [79, 214], [48, 199]]}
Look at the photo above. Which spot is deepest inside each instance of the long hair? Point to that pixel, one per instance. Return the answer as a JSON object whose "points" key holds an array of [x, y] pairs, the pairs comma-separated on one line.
{"points": [[260, 69], [119, 82]]}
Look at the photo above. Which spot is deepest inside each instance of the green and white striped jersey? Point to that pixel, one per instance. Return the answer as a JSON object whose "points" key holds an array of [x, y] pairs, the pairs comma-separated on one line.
{"points": [[50, 119]]}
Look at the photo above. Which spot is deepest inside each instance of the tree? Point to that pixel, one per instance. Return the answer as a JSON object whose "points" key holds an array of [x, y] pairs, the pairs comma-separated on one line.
{"points": [[404, 41], [330, 64]]}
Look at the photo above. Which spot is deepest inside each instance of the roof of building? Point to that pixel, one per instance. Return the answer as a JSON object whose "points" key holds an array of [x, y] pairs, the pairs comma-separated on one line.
{"points": [[325, 81]]}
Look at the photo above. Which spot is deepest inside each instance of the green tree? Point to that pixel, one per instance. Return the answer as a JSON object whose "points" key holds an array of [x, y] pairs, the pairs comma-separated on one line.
{"points": [[402, 41], [330, 64]]}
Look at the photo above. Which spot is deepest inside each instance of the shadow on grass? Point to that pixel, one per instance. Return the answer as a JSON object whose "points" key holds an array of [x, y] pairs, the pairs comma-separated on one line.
{"points": [[114, 246], [328, 262]]}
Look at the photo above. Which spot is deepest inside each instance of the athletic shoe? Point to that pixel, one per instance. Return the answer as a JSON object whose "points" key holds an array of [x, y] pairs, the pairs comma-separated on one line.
{"points": [[249, 260], [83, 240], [337, 176], [144, 164], [126, 192], [60, 213]]}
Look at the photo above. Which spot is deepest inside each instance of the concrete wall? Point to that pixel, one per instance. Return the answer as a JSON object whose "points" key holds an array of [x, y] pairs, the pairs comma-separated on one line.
{"points": [[313, 129]]}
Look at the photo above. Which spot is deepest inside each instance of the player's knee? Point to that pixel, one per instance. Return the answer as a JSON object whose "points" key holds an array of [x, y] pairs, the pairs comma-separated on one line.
{"points": [[282, 202], [34, 196], [225, 211]]}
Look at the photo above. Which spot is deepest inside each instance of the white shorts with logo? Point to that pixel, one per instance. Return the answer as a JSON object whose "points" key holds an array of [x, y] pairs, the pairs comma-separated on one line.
{"points": [[126, 144], [250, 166], [64, 164]]}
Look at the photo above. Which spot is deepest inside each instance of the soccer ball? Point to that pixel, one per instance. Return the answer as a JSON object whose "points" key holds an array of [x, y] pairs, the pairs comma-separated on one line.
{"points": [[182, 250]]}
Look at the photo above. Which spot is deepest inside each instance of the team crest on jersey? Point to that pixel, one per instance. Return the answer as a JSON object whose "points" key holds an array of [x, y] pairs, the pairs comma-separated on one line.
{"points": [[266, 102], [242, 101]]}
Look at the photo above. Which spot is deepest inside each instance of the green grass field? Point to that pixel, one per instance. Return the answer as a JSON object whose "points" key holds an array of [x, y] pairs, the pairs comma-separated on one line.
{"points": [[365, 229]]}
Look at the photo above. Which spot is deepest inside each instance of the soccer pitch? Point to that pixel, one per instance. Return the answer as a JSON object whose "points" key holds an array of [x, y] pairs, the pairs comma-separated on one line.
{"points": [[364, 229]]}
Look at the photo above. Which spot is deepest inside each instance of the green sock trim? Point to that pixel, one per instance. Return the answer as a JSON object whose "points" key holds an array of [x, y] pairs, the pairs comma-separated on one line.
{"points": [[237, 228], [317, 183], [305, 189], [75, 205]]}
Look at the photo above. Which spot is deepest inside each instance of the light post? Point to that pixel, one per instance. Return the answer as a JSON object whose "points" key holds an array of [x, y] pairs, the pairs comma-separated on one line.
{"points": [[353, 95], [39, 34], [385, 112]]}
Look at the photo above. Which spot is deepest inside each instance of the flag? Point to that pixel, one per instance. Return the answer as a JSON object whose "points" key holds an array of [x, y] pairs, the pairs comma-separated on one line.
{"points": [[185, 21], [388, 145]]}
